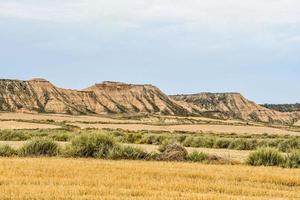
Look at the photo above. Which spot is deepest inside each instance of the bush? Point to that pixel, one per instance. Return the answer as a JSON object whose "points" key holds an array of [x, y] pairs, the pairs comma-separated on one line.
{"points": [[206, 142], [91, 145], [266, 157], [289, 145], [11, 135], [293, 159], [188, 141], [222, 143], [40, 147], [62, 137], [126, 152], [243, 144], [197, 157], [133, 137], [7, 151]]}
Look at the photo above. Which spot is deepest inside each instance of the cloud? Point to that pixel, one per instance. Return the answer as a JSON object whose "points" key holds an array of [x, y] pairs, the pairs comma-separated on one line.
{"points": [[196, 25], [244, 14]]}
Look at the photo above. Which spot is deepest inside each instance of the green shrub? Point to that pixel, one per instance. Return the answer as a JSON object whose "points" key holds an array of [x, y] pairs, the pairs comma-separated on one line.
{"points": [[133, 138], [206, 142], [126, 152], [293, 159], [266, 157], [62, 137], [12, 135], [188, 141], [243, 144], [289, 145], [197, 157], [152, 139], [7, 151], [222, 143], [181, 138], [91, 145], [40, 147]]}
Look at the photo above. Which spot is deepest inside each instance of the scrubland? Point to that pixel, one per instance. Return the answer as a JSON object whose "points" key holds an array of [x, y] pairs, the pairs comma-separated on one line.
{"points": [[51, 157]]}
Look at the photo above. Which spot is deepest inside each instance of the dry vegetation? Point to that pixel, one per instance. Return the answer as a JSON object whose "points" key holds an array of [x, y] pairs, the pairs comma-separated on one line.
{"points": [[25, 125], [55, 178], [192, 128], [78, 179], [228, 154]]}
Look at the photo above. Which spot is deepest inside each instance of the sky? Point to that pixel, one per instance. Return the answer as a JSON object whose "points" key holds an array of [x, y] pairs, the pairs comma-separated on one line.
{"points": [[249, 46]]}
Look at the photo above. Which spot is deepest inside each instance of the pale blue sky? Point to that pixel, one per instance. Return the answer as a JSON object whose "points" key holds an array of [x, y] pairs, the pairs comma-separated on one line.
{"points": [[249, 46]]}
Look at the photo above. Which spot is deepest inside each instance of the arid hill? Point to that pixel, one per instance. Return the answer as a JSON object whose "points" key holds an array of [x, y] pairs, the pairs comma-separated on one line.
{"points": [[283, 107], [233, 106], [39, 95]]}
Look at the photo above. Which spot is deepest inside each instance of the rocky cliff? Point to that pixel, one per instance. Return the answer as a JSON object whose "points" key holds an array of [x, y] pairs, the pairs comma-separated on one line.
{"points": [[39, 95]]}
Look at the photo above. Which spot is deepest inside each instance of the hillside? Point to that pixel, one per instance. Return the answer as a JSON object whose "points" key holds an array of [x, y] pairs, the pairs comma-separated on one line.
{"points": [[233, 106], [39, 95], [283, 107]]}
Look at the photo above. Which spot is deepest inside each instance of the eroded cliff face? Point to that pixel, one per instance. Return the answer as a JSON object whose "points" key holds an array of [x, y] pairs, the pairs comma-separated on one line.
{"points": [[128, 98], [39, 95], [233, 106]]}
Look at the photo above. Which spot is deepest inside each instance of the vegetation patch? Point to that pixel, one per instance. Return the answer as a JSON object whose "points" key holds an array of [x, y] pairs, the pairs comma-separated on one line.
{"points": [[266, 157], [40, 147], [7, 151], [197, 157]]}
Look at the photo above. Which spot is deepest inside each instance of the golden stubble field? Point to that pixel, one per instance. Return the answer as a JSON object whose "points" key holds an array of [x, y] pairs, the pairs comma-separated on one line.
{"points": [[25, 125], [242, 129], [151, 123], [59, 178]]}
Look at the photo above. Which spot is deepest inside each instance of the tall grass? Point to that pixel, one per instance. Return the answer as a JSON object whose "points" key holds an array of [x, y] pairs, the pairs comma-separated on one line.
{"points": [[197, 157], [293, 159], [39, 147], [266, 157], [91, 145], [127, 153], [7, 151]]}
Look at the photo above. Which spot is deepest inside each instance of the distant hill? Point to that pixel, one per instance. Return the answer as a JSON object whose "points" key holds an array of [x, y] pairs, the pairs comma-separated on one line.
{"points": [[283, 107], [39, 95], [233, 106]]}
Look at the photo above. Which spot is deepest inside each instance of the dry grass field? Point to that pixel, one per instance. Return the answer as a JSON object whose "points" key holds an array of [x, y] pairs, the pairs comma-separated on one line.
{"points": [[155, 123], [192, 128], [25, 125], [59, 118], [78, 179], [297, 123]]}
